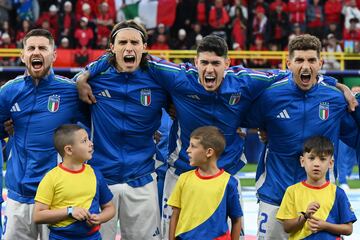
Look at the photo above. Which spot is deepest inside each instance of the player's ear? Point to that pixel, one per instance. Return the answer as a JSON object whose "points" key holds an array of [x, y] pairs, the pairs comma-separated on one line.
{"points": [[331, 163], [210, 152]]}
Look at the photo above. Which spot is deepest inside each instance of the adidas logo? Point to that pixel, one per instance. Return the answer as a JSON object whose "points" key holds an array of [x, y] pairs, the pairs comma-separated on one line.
{"points": [[157, 232], [15, 108], [194, 97], [105, 93], [283, 114]]}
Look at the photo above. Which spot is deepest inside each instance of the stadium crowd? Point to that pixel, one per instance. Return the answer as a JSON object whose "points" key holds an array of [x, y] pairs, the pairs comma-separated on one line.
{"points": [[246, 25]]}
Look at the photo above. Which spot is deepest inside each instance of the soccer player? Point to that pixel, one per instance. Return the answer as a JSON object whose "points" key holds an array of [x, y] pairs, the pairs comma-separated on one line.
{"points": [[37, 103], [291, 111], [316, 208]]}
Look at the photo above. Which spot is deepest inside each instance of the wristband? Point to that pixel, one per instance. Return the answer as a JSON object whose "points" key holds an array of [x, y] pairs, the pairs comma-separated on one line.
{"points": [[70, 211]]}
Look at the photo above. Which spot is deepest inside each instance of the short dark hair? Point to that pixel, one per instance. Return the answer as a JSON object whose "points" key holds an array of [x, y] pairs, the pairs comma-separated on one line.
{"points": [[213, 43], [319, 145], [136, 26], [210, 137], [64, 135], [38, 32], [304, 42]]}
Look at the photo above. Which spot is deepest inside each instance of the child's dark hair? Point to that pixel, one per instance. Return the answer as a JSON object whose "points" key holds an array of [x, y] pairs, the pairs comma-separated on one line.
{"points": [[64, 136], [319, 145], [210, 137]]}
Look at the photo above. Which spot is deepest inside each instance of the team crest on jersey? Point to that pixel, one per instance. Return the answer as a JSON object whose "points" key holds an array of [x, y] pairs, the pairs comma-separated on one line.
{"points": [[324, 110], [234, 99], [53, 103], [145, 97]]}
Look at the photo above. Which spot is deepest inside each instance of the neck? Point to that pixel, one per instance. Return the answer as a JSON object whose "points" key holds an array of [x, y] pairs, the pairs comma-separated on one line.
{"points": [[314, 182], [72, 164], [209, 169]]}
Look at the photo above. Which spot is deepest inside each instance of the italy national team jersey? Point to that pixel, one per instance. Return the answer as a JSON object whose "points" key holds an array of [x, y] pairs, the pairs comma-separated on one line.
{"points": [[205, 203], [334, 207], [86, 188]]}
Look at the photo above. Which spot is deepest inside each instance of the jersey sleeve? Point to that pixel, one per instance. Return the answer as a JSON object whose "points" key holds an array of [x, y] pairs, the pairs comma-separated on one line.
{"points": [[233, 202], [261, 80], [345, 210], [98, 66], [349, 130], [45, 191], [287, 208], [4, 109], [255, 117], [175, 197], [328, 80], [105, 194]]}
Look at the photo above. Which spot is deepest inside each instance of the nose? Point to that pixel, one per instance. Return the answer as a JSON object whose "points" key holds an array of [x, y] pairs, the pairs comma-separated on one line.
{"points": [[91, 144], [188, 150], [209, 68]]}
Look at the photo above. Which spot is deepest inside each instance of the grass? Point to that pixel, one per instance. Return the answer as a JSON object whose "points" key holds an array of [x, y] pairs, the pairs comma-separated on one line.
{"points": [[249, 182]]}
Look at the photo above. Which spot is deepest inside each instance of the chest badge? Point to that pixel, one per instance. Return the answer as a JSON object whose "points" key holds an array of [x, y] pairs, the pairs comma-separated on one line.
{"points": [[53, 103], [234, 99], [324, 110], [145, 97]]}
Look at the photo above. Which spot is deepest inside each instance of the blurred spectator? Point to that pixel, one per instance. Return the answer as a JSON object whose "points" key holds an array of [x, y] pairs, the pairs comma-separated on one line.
{"points": [[258, 46], [111, 8], [315, 19], [331, 46], [218, 16], [85, 8], [334, 29], [25, 28], [46, 25], [104, 21], [161, 29], [185, 16], [64, 43], [233, 9], [353, 33], [81, 56], [259, 23], [5, 28], [196, 30], [278, 26], [333, 12], [84, 35], [263, 4], [52, 18], [277, 3], [181, 42], [238, 28], [198, 39], [5, 42], [67, 23], [103, 43], [350, 11], [161, 43], [201, 13], [5, 7], [297, 13]]}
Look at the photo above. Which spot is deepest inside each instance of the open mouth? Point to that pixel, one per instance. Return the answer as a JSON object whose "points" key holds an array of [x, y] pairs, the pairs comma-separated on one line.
{"points": [[305, 77], [129, 58], [36, 63], [210, 81]]}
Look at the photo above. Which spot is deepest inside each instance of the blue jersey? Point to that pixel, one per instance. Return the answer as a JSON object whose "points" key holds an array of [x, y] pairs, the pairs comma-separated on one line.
{"points": [[196, 107], [1, 177], [290, 116], [36, 112], [124, 119]]}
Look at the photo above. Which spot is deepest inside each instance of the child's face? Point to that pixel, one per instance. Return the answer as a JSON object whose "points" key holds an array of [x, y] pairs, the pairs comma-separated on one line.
{"points": [[197, 153], [316, 166], [82, 148]]}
